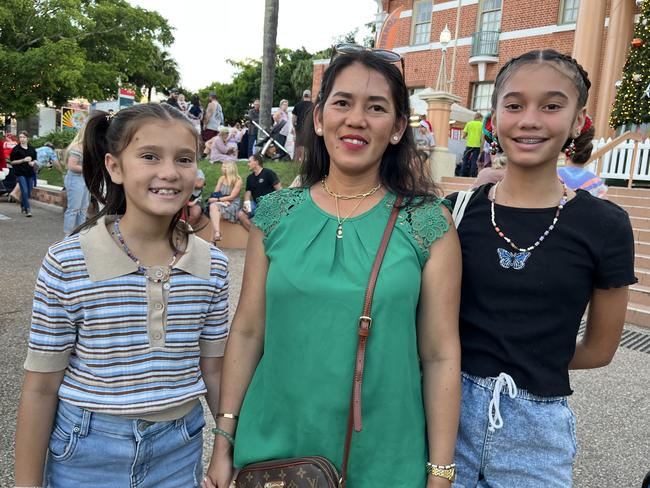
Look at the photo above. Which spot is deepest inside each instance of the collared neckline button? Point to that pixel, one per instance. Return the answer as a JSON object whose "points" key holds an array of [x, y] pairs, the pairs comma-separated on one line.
{"points": [[158, 306], [157, 335]]}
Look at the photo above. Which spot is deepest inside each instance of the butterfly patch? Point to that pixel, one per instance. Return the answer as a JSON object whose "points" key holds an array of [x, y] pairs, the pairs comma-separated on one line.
{"points": [[512, 260]]}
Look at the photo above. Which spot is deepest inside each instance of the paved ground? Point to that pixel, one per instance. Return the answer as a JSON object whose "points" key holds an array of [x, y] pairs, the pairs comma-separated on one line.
{"points": [[612, 404]]}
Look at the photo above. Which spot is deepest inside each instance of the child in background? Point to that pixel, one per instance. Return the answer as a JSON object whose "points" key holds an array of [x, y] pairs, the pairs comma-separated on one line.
{"points": [[194, 205], [129, 320]]}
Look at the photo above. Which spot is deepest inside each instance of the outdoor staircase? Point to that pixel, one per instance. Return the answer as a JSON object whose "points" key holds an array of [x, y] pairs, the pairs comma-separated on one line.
{"points": [[636, 202]]}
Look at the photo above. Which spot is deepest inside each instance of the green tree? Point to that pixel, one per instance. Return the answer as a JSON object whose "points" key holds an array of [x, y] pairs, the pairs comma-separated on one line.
{"points": [[55, 50], [632, 105]]}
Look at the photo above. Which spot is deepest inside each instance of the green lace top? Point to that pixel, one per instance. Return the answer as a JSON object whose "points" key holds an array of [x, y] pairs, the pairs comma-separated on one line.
{"points": [[297, 402]]}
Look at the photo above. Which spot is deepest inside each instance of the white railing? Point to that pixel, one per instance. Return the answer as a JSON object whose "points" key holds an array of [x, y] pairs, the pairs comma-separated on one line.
{"points": [[623, 159]]}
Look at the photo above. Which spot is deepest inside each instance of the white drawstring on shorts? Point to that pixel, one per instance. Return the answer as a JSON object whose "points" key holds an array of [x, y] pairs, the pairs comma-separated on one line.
{"points": [[494, 414]]}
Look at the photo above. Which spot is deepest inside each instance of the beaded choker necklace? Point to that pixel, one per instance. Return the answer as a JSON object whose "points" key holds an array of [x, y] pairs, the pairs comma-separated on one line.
{"points": [[160, 275], [517, 260]]}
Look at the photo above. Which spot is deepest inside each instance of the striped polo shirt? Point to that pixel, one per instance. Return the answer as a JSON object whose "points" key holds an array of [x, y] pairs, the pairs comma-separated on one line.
{"points": [[128, 346]]}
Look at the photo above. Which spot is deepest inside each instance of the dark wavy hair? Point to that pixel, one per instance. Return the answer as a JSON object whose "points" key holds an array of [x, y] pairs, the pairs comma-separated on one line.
{"points": [[402, 170], [568, 66], [110, 134]]}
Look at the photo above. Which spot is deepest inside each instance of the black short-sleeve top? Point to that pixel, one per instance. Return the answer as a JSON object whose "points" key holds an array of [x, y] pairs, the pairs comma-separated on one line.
{"points": [[520, 315]]}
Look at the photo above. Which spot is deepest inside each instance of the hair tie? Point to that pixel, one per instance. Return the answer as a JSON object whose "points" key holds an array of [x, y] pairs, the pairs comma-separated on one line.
{"points": [[587, 125]]}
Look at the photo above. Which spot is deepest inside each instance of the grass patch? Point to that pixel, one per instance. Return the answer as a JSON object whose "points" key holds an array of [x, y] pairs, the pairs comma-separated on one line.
{"points": [[286, 171]]}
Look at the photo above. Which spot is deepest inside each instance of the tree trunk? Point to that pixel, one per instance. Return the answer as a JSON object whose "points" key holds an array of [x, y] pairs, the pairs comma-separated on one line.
{"points": [[271, 10]]}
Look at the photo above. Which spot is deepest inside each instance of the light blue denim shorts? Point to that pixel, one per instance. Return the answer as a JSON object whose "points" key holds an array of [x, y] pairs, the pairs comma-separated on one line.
{"points": [[510, 438], [108, 451]]}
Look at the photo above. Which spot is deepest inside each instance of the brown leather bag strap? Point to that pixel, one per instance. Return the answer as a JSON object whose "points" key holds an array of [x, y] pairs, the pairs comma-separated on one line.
{"points": [[365, 323]]}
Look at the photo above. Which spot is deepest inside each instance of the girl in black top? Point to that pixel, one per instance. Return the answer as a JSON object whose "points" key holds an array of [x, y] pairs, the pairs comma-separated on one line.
{"points": [[534, 255], [23, 159]]}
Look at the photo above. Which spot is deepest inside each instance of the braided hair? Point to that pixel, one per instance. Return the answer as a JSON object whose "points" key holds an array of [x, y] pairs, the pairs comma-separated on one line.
{"points": [[568, 66]]}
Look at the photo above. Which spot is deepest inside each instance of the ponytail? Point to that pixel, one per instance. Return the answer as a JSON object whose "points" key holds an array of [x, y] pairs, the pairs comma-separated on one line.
{"points": [[583, 146], [96, 176]]}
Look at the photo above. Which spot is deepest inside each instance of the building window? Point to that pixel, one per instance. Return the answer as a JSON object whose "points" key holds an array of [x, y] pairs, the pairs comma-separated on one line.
{"points": [[482, 97], [569, 11], [422, 22], [490, 15]]}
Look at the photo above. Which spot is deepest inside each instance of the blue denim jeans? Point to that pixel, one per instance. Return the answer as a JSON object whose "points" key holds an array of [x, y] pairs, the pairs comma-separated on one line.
{"points": [[108, 451], [26, 183], [513, 439], [78, 201]]}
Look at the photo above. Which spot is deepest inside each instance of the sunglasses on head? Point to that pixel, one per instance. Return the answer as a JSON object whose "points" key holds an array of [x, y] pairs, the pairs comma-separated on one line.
{"points": [[385, 54]]}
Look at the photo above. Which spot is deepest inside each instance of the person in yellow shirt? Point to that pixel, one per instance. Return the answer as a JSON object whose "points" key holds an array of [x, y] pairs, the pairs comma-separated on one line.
{"points": [[473, 133]]}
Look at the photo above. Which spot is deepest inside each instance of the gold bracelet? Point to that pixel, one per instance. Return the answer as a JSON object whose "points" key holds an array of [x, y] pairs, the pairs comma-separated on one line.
{"points": [[230, 416], [447, 472]]}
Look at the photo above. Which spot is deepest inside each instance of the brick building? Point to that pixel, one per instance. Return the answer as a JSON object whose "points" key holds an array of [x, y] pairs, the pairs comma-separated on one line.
{"points": [[489, 32]]}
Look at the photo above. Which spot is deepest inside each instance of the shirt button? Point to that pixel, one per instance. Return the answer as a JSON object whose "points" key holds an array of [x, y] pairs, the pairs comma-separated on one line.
{"points": [[166, 286], [158, 306], [157, 335], [158, 273]]}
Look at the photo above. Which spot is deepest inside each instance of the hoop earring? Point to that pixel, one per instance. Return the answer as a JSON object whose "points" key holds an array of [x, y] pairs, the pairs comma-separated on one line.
{"points": [[494, 145], [570, 150]]}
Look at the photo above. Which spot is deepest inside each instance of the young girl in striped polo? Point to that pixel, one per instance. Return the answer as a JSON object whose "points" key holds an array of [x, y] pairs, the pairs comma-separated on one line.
{"points": [[129, 321]]}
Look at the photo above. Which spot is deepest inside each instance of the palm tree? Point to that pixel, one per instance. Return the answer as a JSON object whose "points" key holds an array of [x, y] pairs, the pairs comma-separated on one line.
{"points": [[271, 11]]}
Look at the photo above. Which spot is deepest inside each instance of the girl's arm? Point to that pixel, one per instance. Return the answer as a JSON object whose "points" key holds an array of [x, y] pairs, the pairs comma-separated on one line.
{"points": [[439, 348], [38, 403], [605, 321], [234, 194], [243, 353], [216, 189], [211, 372], [74, 163]]}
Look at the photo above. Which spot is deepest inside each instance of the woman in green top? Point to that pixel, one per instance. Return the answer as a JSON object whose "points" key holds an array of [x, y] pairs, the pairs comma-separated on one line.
{"points": [[289, 361]]}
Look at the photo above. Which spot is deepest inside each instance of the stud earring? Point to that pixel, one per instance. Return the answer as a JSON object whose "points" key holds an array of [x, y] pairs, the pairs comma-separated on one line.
{"points": [[319, 131], [570, 150], [396, 138]]}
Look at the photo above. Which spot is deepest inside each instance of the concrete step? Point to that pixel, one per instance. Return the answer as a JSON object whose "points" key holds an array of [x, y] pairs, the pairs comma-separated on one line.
{"points": [[628, 200], [618, 190], [640, 294], [638, 314], [642, 247], [642, 261], [640, 223], [636, 211], [643, 274], [642, 235]]}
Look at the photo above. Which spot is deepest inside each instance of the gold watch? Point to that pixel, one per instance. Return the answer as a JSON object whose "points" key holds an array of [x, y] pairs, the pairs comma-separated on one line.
{"points": [[447, 472]]}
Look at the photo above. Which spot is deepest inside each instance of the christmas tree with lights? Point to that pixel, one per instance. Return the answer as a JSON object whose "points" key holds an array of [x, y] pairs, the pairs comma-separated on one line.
{"points": [[632, 105]]}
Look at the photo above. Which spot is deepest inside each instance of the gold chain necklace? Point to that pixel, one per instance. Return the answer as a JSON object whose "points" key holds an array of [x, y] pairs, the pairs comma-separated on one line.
{"points": [[348, 197], [361, 197], [339, 228]]}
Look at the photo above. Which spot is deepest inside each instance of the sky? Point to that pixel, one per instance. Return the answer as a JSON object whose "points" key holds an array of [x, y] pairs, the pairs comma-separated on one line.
{"points": [[208, 32]]}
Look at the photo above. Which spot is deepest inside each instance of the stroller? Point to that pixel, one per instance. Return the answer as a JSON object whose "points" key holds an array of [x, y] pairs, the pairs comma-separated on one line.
{"points": [[270, 148]]}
